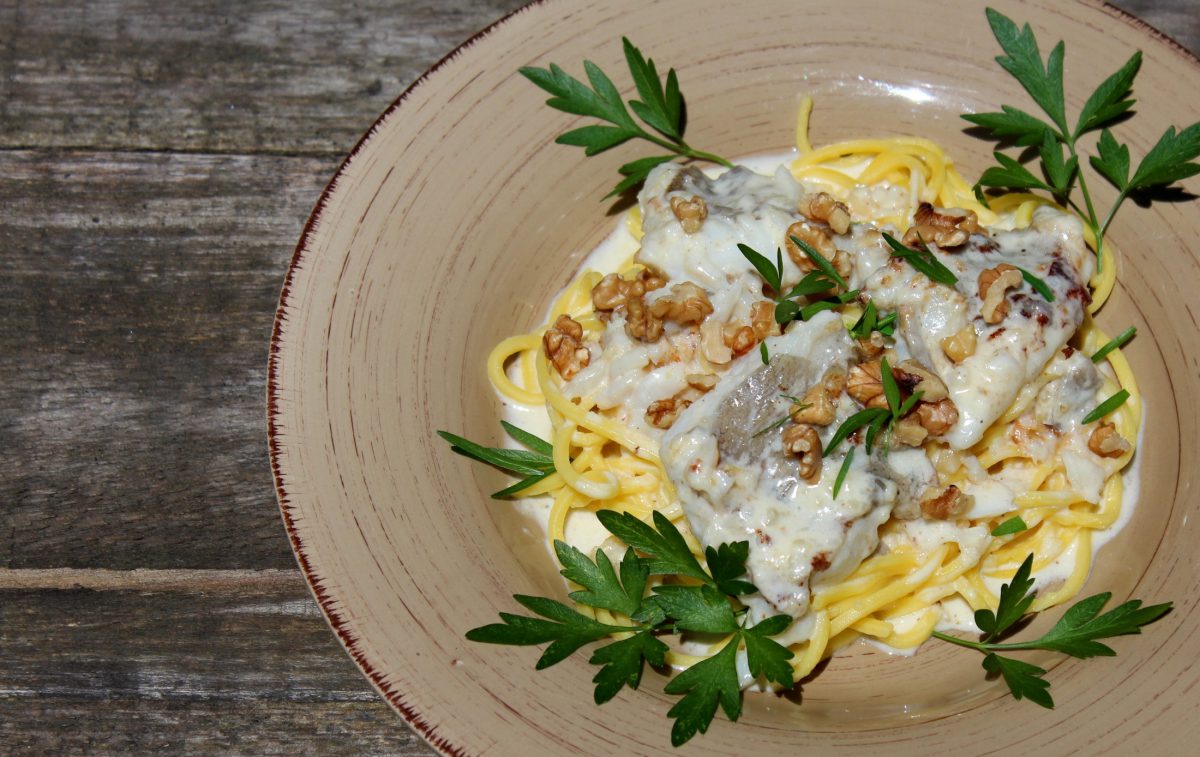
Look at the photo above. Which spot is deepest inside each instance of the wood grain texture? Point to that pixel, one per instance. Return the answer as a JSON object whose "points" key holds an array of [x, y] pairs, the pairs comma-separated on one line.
{"points": [[137, 289], [215, 75]]}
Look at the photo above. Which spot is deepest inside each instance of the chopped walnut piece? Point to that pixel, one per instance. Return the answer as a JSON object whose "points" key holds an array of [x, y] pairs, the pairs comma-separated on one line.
{"points": [[960, 345], [801, 440], [945, 227], [994, 283], [914, 377], [691, 213], [687, 303], [909, 432], [871, 347], [712, 343], [564, 347], [701, 382], [762, 320], [947, 504], [640, 323], [824, 208], [937, 417], [819, 410], [740, 339], [662, 413], [613, 291], [1106, 442], [865, 384], [813, 236]]}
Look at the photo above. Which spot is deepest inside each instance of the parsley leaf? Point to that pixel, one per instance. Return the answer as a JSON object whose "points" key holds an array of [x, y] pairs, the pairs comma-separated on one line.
{"points": [[1170, 160], [661, 108], [567, 629], [602, 588], [1077, 633], [766, 657], [622, 663], [696, 608], [668, 553], [727, 564], [1024, 679], [705, 685]]}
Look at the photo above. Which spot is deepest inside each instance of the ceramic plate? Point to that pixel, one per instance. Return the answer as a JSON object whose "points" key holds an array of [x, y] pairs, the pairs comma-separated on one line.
{"points": [[454, 221]]}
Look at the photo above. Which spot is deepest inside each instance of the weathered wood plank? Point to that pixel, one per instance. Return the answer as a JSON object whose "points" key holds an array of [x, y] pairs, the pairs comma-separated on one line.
{"points": [[235, 643], [137, 293], [211, 75], [123, 726], [1179, 19]]}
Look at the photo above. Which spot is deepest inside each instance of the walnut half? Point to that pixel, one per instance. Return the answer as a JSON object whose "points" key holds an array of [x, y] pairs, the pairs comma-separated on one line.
{"points": [[690, 213], [564, 347], [824, 208], [801, 440], [994, 284], [865, 384], [945, 227]]}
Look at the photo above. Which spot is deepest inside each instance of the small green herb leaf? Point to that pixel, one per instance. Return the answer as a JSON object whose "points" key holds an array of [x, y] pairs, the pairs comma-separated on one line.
{"points": [[1077, 630], [842, 471], [1023, 60], [821, 262], [1011, 175], [1013, 525], [854, 423], [1060, 171], [766, 269], [1112, 160], [1169, 160], [696, 608], [1106, 407], [766, 355], [1039, 286], [923, 260], [1118, 341]]}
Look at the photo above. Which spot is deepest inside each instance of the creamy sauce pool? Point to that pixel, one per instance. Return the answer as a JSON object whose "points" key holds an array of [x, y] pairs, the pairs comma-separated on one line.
{"points": [[585, 532]]}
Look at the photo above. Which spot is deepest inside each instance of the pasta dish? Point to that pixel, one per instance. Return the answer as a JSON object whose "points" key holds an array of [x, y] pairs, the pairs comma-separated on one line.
{"points": [[845, 358]]}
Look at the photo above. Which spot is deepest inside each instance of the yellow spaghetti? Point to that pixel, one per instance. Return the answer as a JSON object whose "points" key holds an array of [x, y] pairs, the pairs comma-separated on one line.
{"points": [[602, 464]]}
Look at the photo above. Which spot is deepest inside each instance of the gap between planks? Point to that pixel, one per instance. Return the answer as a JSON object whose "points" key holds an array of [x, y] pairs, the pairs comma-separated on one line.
{"points": [[144, 579], [216, 151]]}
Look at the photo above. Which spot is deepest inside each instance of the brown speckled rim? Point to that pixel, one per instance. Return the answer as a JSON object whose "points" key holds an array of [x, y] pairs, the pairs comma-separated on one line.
{"points": [[417, 720]]}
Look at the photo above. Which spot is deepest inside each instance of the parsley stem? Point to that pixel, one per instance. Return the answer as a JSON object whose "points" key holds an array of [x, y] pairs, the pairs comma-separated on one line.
{"points": [[701, 155], [961, 642], [1092, 219]]}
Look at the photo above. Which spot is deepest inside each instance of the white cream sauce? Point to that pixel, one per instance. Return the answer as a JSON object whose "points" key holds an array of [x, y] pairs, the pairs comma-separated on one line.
{"points": [[734, 486]]}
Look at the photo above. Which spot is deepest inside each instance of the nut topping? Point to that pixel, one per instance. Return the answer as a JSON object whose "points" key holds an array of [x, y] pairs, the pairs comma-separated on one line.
{"points": [[937, 417], [945, 227], [815, 237], [994, 283], [640, 323], [662, 413], [824, 208], [914, 377], [961, 345], [613, 291], [564, 347], [1106, 442], [740, 339], [687, 303], [762, 320], [801, 440], [691, 213], [950, 503], [820, 401], [865, 384]]}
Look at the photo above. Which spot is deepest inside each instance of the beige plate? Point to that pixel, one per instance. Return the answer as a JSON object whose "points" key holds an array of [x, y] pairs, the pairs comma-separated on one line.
{"points": [[456, 218]]}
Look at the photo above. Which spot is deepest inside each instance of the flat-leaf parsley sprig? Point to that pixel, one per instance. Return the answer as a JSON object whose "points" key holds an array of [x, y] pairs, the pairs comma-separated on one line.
{"points": [[533, 465], [661, 107], [704, 603], [1077, 633], [1169, 161]]}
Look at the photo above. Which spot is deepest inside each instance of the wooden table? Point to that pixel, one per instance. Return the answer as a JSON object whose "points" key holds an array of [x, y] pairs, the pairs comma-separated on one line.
{"points": [[158, 162]]}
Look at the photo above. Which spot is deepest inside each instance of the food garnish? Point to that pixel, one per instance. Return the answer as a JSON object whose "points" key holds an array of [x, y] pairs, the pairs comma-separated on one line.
{"points": [[1076, 633], [535, 464], [1013, 525], [660, 107], [1120, 340], [1169, 161], [923, 260], [1106, 407], [689, 598]]}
